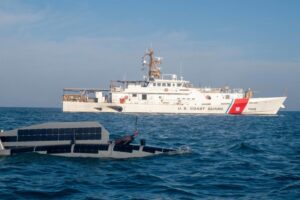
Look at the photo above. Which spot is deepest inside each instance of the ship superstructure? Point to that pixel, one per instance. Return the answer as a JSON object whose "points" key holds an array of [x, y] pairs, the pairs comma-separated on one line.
{"points": [[166, 93]]}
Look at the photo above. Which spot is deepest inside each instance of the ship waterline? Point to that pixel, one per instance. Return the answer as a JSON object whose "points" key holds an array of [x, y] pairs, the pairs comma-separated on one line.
{"points": [[159, 93]]}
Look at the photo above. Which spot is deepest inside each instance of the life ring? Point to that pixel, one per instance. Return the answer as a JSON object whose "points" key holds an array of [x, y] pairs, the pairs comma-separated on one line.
{"points": [[166, 90]]}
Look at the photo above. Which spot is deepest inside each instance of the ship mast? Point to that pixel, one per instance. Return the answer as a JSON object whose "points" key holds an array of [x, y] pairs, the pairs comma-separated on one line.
{"points": [[153, 64]]}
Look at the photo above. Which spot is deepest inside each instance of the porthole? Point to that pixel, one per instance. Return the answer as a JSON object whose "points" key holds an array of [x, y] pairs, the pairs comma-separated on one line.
{"points": [[208, 97]]}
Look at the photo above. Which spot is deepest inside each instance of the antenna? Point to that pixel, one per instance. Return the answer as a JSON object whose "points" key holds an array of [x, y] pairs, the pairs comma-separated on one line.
{"points": [[285, 92], [135, 134], [125, 76], [180, 69], [135, 124], [152, 63]]}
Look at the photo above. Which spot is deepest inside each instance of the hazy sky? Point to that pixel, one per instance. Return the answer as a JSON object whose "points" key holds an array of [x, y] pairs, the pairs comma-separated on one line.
{"points": [[48, 45]]}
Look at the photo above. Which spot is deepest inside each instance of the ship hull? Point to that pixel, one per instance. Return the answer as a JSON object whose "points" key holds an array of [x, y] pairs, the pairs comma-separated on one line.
{"points": [[252, 106]]}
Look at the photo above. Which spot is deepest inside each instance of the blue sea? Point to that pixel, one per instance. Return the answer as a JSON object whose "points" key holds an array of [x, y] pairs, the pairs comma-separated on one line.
{"points": [[230, 157]]}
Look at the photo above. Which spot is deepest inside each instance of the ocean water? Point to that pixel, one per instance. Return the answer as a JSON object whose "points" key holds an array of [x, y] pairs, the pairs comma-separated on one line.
{"points": [[231, 157]]}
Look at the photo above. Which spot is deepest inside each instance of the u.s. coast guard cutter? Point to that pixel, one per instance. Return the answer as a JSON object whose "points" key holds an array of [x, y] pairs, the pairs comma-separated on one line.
{"points": [[159, 93]]}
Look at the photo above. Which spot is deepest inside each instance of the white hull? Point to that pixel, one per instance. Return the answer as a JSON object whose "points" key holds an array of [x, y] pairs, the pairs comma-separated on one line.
{"points": [[260, 106]]}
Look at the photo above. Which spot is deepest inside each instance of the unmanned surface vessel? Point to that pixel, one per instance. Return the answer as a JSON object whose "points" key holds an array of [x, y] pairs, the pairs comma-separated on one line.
{"points": [[73, 139]]}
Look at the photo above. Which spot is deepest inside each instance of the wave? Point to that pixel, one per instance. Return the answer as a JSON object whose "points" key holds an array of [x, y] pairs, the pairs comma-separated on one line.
{"points": [[245, 148], [40, 194]]}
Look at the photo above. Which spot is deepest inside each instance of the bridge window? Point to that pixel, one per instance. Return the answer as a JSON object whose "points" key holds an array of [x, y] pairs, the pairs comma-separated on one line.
{"points": [[178, 84], [159, 84], [169, 84], [164, 84], [134, 95], [154, 84], [144, 96]]}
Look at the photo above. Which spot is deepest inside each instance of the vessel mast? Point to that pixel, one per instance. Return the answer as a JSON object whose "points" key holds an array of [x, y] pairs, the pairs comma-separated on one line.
{"points": [[153, 64]]}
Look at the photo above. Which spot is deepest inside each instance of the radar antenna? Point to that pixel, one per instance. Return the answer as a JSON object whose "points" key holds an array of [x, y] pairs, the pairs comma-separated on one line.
{"points": [[153, 63]]}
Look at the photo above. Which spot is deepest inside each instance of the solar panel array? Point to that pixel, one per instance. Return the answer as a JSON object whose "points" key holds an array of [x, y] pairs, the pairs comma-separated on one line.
{"points": [[89, 133], [126, 148], [88, 148]]}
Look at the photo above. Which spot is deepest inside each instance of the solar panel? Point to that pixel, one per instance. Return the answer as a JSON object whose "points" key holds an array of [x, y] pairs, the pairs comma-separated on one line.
{"points": [[90, 148], [151, 149], [59, 149], [21, 150], [8, 138], [50, 134], [123, 148]]}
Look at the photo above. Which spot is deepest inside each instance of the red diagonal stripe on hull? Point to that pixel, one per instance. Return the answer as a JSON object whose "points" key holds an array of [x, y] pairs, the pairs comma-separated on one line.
{"points": [[238, 106]]}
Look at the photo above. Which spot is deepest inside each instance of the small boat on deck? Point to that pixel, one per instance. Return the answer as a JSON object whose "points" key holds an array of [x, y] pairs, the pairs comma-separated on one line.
{"points": [[74, 139]]}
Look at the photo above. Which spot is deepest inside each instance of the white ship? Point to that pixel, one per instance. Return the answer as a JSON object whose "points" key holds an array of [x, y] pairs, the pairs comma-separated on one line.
{"points": [[167, 93]]}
